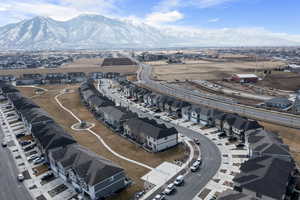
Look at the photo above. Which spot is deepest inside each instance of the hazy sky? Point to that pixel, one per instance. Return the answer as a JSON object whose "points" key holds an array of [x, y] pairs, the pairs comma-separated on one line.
{"points": [[278, 16]]}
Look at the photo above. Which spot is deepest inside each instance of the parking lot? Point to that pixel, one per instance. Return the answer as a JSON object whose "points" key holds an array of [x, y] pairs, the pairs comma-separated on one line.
{"points": [[33, 172]]}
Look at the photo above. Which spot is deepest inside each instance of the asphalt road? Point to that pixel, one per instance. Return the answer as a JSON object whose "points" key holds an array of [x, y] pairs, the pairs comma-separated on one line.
{"points": [[210, 155], [10, 187], [260, 114]]}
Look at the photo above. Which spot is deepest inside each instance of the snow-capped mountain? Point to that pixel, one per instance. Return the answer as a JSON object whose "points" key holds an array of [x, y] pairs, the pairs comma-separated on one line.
{"points": [[86, 31], [96, 32]]}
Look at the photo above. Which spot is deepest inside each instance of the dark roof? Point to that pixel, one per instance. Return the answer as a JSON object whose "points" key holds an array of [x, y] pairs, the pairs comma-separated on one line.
{"points": [[267, 143], [234, 195], [279, 100], [89, 166], [97, 101], [118, 113], [265, 175], [150, 128], [51, 135]]}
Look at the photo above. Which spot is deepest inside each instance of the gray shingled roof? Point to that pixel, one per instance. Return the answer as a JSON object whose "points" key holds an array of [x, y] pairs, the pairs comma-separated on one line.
{"points": [[267, 143], [265, 175], [89, 166], [150, 128], [234, 195]]}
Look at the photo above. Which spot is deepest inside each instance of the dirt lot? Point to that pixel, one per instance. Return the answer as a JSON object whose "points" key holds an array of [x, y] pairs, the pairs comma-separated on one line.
{"points": [[282, 80], [82, 65], [290, 137], [117, 143], [207, 70]]}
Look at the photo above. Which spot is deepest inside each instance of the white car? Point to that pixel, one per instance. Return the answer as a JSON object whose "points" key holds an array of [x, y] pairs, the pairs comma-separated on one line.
{"points": [[20, 177], [195, 166], [159, 197], [170, 188], [179, 180], [38, 160], [33, 157]]}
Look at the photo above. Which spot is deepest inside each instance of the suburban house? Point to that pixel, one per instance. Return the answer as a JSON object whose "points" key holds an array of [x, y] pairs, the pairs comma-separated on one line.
{"points": [[186, 113], [205, 115], [264, 143], [76, 77], [56, 78], [115, 116], [176, 108], [162, 102], [241, 125], [195, 114], [265, 177], [88, 172], [228, 123], [279, 102], [151, 135]]}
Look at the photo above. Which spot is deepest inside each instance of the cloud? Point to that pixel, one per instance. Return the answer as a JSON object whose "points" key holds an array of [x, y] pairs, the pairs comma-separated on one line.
{"points": [[158, 18], [60, 10], [166, 5], [214, 20]]}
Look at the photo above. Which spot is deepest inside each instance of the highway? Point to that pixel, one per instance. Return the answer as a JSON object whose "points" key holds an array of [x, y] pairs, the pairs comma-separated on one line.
{"points": [[144, 74], [210, 154], [11, 188]]}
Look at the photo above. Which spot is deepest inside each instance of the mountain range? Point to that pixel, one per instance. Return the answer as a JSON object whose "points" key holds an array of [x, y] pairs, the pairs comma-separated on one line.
{"points": [[99, 32]]}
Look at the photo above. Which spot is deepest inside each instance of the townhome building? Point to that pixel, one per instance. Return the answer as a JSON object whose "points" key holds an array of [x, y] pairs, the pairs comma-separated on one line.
{"points": [[89, 173], [154, 137]]}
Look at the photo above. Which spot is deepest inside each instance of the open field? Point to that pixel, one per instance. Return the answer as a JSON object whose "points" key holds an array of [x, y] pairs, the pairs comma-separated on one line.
{"points": [[117, 143], [282, 80], [206, 70], [290, 137], [86, 65], [85, 62]]}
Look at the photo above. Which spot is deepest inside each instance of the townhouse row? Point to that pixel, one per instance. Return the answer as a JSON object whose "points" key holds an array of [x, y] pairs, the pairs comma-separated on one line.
{"points": [[233, 125], [147, 133], [270, 173], [89, 173]]}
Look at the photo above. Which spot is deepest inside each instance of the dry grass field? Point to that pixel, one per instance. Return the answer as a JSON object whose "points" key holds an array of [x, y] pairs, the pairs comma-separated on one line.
{"points": [[208, 70], [81, 65], [282, 80], [117, 143]]}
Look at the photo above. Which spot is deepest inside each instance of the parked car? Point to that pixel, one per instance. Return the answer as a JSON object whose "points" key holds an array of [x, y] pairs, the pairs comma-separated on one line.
{"points": [[4, 144], [24, 143], [38, 160], [159, 197], [240, 145], [179, 180], [47, 176], [195, 166], [222, 135], [20, 177], [33, 157], [139, 194], [170, 189], [19, 135], [28, 148]]}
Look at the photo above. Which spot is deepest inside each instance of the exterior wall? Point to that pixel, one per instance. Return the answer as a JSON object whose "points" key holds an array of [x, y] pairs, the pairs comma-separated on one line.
{"points": [[227, 129], [194, 117], [166, 142]]}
